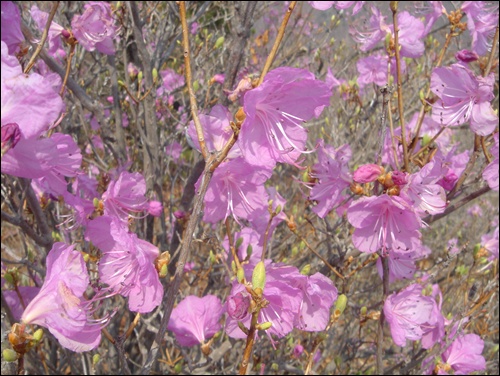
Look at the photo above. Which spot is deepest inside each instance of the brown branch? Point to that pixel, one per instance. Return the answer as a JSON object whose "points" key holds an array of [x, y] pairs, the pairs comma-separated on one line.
{"points": [[394, 8], [44, 37], [277, 42]]}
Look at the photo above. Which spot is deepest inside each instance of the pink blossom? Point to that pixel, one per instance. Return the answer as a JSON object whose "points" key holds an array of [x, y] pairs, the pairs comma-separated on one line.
{"points": [[196, 320], [321, 5], [28, 293], [409, 314], [284, 302], [50, 159], [247, 245], [422, 190], [463, 97], [490, 242], [436, 332], [125, 194], [490, 173], [11, 27], [332, 81], [275, 112], [466, 56], [332, 172], [464, 355], [27, 100], [238, 305], [373, 33], [259, 218], [367, 173], [340, 5], [55, 30], [319, 296], [482, 19], [155, 208], [372, 69], [431, 10], [298, 350], [411, 33], [127, 263], [10, 136], [171, 80], [60, 305], [384, 222], [95, 28], [402, 264], [456, 164], [216, 130], [237, 189]]}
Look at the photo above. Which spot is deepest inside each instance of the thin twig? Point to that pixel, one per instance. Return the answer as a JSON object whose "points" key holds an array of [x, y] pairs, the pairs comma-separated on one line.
{"points": [[44, 37], [394, 8], [189, 80], [277, 42], [380, 332]]}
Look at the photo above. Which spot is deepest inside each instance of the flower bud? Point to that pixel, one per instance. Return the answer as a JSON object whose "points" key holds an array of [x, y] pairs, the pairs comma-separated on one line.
{"points": [[238, 306], [259, 276], [367, 173]]}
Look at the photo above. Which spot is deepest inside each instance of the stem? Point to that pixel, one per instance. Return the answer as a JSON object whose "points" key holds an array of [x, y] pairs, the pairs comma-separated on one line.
{"points": [[468, 168], [400, 86], [68, 68], [491, 58], [249, 345], [231, 244], [44, 37], [189, 79], [277, 42], [380, 332]]}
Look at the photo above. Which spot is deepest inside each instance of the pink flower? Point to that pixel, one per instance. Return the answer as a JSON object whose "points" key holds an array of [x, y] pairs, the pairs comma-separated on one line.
{"points": [[332, 172], [155, 208], [28, 293], [11, 27], [402, 264], [171, 80], [466, 56], [195, 320], [27, 100], [275, 111], [464, 97], [125, 194], [237, 189], [384, 222], [431, 10], [321, 5], [367, 173], [490, 242], [238, 305], [411, 33], [340, 5], [50, 159], [127, 263], [61, 307], [490, 173], [372, 69], [422, 190], [332, 81], [284, 302], [374, 33], [319, 296], [482, 19], [216, 131], [55, 30], [464, 355], [409, 314], [10, 136], [95, 28]]}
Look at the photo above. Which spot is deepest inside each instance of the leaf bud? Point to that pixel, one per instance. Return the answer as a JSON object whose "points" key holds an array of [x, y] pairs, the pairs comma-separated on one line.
{"points": [[155, 74], [306, 269], [240, 275], [38, 335], [9, 355], [341, 303], [264, 325], [219, 42], [239, 242], [95, 359], [259, 276]]}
